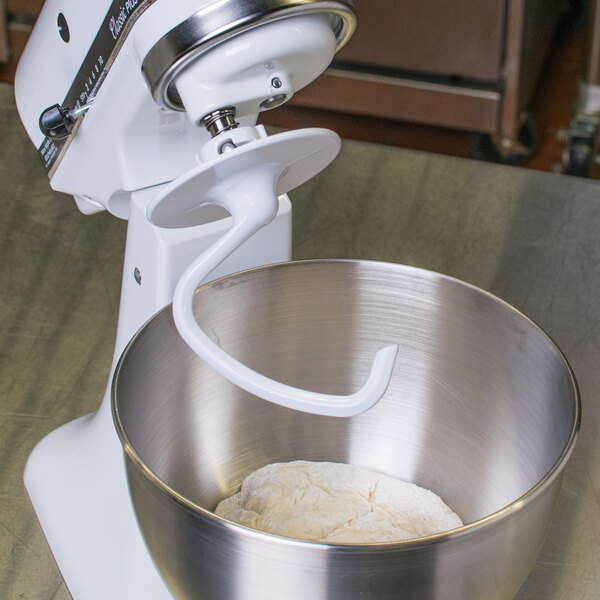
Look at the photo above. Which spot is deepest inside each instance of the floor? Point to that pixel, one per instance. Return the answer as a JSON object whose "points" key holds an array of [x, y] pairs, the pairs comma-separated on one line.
{"points": [[552, 107]]}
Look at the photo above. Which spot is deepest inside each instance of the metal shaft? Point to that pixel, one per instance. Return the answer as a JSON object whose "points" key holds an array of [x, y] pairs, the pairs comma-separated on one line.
{"points": [[220, 120]]}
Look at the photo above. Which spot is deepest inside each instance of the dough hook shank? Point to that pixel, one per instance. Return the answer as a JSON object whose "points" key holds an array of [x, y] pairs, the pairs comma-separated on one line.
{"points": [[247, 182]]}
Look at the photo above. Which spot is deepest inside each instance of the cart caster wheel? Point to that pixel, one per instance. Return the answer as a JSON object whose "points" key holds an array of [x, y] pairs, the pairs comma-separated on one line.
{"points": [[581, 161], [508, 152], [579, 155]]}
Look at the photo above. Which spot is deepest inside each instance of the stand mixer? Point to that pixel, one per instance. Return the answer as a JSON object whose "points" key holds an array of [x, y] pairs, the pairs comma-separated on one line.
{"points": [[147, 109]]}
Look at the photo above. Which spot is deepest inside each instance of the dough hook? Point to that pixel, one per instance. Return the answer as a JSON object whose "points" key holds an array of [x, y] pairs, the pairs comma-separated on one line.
{"points": [[247, 182]]}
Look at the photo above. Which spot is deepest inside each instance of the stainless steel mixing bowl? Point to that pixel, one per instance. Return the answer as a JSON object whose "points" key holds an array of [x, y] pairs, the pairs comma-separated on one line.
{"points": [[483, 409]]}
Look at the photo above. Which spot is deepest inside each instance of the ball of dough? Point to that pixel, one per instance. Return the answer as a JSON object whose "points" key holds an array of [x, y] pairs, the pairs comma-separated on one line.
{"points": [[337, 503]]}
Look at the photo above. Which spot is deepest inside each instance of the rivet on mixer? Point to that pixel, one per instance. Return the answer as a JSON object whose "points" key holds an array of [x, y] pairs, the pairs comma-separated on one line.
{"points": [[231, 357]]}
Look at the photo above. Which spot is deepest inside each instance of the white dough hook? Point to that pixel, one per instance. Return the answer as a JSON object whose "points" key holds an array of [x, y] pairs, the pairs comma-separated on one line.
{"points": [[247, 183]]}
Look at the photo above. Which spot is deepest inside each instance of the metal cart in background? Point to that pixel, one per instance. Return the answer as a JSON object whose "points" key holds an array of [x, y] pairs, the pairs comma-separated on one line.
{"points": [[462, 64], [580, 154]]}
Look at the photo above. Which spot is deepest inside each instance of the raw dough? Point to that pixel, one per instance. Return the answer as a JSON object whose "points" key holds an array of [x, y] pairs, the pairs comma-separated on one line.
{"points": [[335, 502]]}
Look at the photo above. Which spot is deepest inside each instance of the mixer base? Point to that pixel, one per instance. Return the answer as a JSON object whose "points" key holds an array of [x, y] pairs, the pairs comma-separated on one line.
{"points": [[75, 478]]}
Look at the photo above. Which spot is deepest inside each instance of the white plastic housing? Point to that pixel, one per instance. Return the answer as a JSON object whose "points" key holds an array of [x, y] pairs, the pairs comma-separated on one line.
{"points": [[126, 142], [276, 59]]}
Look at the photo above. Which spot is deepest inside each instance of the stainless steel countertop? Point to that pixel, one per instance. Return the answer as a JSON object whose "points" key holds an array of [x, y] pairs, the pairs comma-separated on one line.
{"points": [[531, 238]]}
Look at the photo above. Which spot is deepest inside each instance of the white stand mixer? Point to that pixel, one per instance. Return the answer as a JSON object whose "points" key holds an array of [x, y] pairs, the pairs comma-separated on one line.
{"points": [[157, 125]]}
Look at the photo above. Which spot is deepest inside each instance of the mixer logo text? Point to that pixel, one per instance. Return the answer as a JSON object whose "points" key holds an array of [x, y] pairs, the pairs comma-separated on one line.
{"points": [[116, 23]]}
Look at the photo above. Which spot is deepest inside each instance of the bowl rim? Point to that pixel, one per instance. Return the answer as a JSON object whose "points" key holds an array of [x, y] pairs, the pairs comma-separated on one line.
{"points": [[497, 516]]}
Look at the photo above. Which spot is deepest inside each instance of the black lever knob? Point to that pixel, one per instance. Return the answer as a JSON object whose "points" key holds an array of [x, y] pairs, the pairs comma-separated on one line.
{"points": [[56, 122]]}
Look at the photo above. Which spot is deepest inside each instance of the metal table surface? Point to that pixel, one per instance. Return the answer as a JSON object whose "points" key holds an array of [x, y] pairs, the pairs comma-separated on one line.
{"points": [[531, 238]]}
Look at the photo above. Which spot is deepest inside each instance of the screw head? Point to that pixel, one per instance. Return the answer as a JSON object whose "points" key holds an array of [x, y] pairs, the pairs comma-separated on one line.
{"points": [[137, 276], [63, 28], [276, 83]]}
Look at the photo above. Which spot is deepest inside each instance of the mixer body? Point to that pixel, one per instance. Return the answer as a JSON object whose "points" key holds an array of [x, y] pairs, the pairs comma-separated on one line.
{"points": [[113, 95]]}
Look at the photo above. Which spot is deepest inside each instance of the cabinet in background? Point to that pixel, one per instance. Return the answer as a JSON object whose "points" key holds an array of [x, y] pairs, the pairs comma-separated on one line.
{"points": [[463, 64]]}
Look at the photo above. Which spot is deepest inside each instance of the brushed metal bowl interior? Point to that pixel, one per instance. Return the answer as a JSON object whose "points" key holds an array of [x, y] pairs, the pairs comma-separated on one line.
{"points": [[482, 408]]}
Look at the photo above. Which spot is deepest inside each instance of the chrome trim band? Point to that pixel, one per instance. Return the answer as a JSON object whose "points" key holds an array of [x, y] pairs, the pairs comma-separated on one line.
{"points": [[221, 20]]}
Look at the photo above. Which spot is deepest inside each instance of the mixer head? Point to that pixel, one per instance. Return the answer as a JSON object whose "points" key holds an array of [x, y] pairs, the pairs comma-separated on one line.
{"points": [[137, 95]]}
